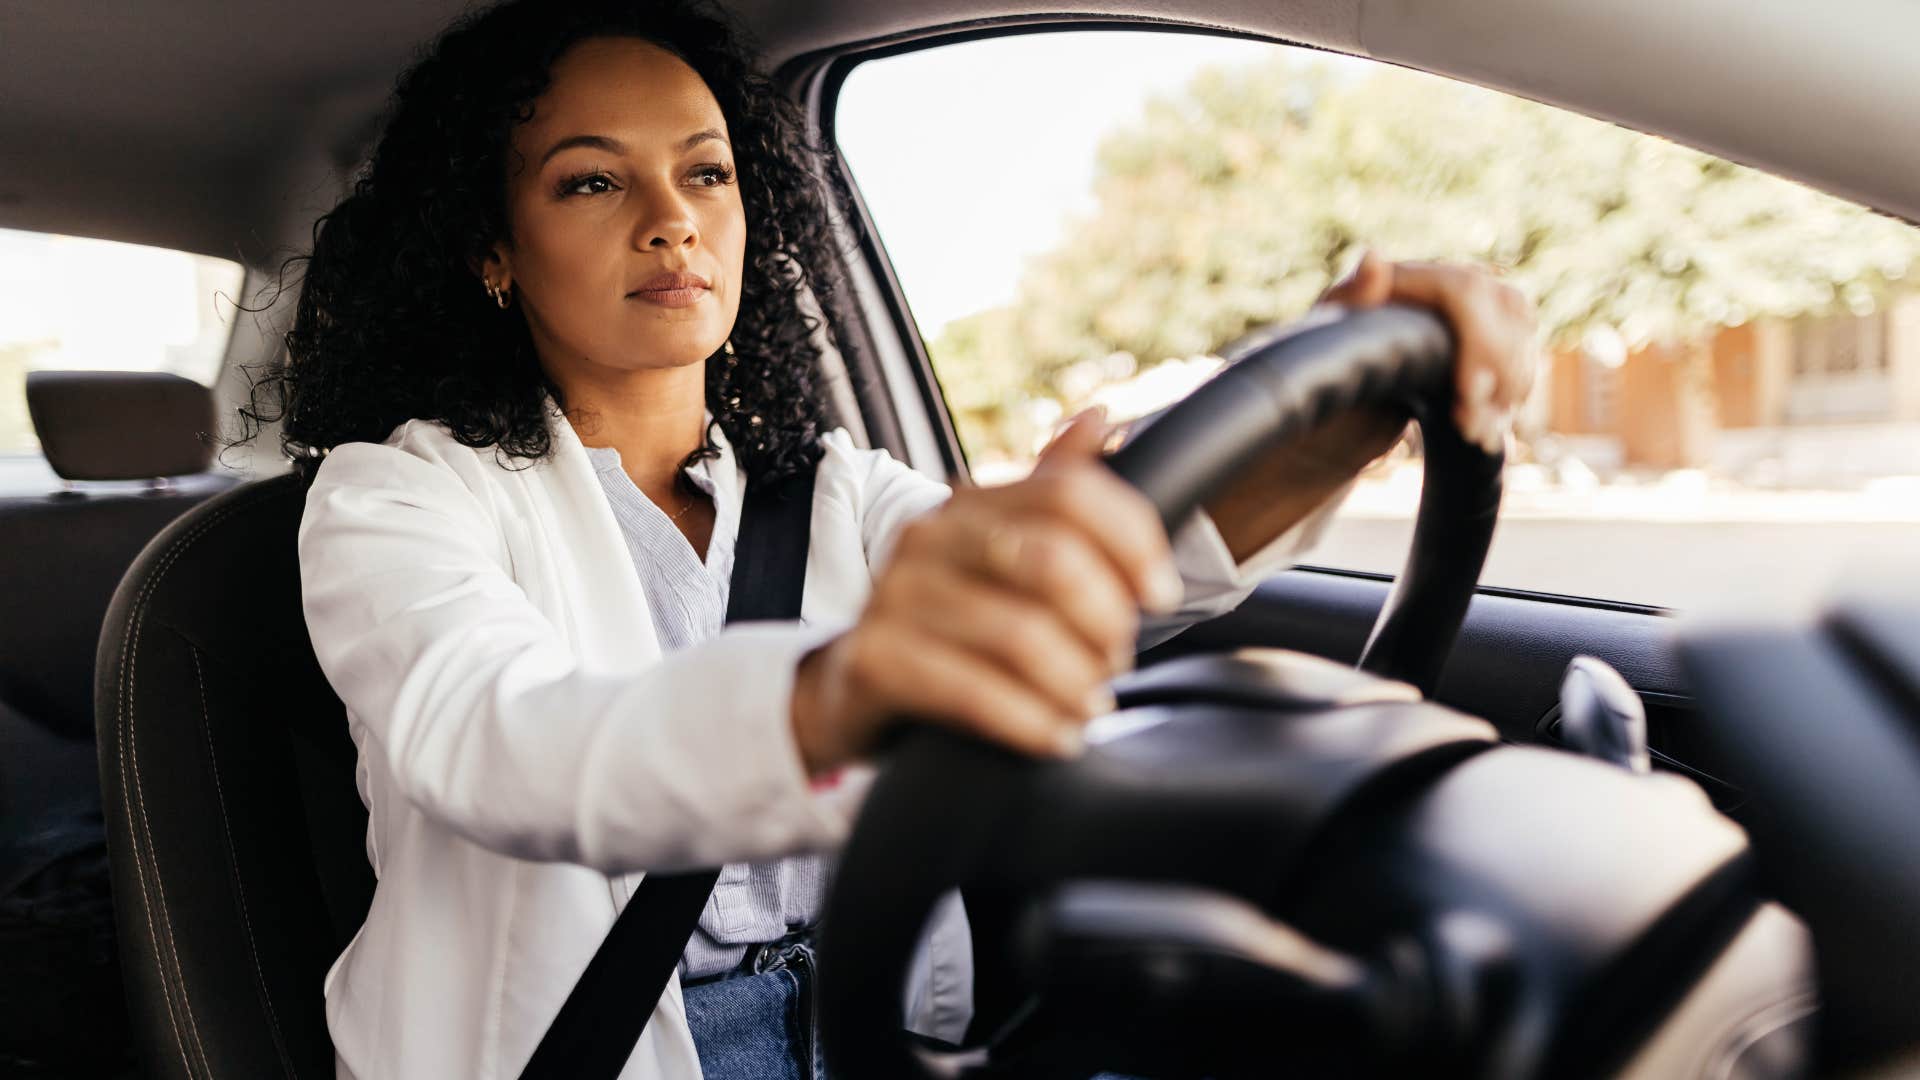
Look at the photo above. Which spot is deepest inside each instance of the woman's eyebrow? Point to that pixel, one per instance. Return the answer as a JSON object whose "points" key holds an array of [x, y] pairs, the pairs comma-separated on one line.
{"points": [[615, 146], [597, 142]]}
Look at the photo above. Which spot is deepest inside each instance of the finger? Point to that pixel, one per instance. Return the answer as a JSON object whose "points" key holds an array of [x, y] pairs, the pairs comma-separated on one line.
{"points": [[1479, 420], [914, 674], [1026, 639], [1493, 331], [1119, 521], [1483, 313], [1368, 284], [1082, 438], [1478, 409], [1057, 567]]}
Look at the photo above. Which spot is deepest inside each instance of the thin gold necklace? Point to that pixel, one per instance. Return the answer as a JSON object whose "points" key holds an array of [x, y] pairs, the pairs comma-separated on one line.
{"points": [[692, 502]]}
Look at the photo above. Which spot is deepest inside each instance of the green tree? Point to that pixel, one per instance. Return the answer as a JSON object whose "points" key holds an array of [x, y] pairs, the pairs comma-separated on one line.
{"points": [[1229, 205]]}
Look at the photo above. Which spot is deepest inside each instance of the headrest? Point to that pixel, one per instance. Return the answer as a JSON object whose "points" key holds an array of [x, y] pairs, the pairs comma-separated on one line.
{"points": [[121, 425]]}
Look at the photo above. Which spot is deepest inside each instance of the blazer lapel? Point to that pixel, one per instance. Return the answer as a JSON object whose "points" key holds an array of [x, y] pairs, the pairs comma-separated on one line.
{"points": [[612, 626]]}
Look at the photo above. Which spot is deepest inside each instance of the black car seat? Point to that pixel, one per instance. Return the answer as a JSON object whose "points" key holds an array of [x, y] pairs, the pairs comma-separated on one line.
{"points": [[61, 1011], [237, 835]]}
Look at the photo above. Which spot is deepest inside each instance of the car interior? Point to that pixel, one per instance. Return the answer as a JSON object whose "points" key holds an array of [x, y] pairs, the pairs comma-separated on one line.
{"points": [[184, 844]]}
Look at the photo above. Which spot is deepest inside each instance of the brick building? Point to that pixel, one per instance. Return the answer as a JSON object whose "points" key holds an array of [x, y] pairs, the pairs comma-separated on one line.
{"points": [[1671, 405]]}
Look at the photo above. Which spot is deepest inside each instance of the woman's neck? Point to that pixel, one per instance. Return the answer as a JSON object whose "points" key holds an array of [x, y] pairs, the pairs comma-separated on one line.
{"points": [[655, 418]]}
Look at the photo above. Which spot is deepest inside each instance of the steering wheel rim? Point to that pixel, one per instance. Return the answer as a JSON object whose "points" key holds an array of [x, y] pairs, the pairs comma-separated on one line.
{"points": [[959, 793], [1281, 384]]}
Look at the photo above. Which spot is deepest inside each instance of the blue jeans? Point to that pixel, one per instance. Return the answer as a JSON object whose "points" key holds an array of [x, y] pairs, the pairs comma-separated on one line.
{"points": [[759, 1023]]}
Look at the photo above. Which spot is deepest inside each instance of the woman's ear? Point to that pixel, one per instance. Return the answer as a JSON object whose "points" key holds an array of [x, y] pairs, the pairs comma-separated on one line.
{"points": [[495, 268]]}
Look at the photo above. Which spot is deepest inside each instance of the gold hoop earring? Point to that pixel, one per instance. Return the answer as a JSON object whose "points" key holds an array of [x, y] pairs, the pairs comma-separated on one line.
{"points": [[501, 297]]}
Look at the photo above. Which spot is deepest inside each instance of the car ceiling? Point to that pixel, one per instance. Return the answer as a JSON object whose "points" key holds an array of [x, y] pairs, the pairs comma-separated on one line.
{"points": [[219, 127]]}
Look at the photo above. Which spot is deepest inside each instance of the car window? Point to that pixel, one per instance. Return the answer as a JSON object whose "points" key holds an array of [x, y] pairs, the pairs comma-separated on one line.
{"points": [[79, 304], [1730, 393]]}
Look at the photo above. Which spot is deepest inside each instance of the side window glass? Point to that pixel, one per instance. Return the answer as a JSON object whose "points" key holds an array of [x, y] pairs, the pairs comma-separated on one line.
{"points": [[79, 304], [1731, 361]]}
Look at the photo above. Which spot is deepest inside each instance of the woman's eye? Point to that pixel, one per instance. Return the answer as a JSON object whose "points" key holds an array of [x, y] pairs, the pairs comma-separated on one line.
{"points": [[712, 175], [596, 183]]}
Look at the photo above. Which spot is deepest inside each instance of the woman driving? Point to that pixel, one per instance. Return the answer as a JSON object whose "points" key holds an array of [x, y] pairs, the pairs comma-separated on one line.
{"points": [[542, 350]]}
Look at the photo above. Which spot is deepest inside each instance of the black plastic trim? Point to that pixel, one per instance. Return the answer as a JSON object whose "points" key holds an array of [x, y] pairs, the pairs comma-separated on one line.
{"points": [[873, 251], [852, 333], [1565, 599], [1506, 665]]}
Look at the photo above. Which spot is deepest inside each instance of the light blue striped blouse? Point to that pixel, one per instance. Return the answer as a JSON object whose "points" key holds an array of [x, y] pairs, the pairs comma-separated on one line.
{"points": [[755, 902]]}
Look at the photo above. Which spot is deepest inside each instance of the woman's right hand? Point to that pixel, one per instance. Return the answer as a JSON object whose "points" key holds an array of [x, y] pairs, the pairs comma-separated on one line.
{"points": [[1002, 613]]}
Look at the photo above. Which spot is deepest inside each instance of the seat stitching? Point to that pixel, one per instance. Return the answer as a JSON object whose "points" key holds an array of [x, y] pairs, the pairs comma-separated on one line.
{"points": [[160, 888], [134, 798], [130, 762], [233, 862], [139, 866], [132, 669]]}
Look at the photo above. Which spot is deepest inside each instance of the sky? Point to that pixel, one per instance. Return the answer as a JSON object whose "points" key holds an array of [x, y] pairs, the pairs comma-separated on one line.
{"points": [[970, 156]]}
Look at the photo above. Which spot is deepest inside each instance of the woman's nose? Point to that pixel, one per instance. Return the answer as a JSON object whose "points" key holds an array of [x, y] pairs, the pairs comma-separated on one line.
{"points": [[667, 222]]}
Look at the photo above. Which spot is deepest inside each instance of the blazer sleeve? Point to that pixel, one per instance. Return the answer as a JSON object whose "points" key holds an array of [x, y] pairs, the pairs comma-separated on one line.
{"points": [[1215, 584], [891, 493], [484, 719]]}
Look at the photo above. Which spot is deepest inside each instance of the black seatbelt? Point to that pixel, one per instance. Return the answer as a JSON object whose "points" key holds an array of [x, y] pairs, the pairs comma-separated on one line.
{"points": [[607, 1011]]}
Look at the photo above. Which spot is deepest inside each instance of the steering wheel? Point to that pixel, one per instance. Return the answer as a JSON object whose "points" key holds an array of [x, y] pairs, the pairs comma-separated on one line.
{"points": [[1280, 384], [944, 805]]}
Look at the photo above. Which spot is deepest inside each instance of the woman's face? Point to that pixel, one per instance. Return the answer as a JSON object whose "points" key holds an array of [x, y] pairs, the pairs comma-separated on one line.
{"points": [[620, 195]]}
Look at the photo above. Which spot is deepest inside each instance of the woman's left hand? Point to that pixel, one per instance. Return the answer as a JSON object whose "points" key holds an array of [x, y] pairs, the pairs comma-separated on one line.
{"points": [[1494, 332]]}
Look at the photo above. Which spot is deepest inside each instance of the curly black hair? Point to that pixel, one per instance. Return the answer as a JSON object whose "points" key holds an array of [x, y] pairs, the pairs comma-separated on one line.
{"points": [[391, 323]]}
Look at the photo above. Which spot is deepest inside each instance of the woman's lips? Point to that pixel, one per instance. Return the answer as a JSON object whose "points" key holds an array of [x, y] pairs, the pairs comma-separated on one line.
{"points": [[682, 297], [675, 288]]}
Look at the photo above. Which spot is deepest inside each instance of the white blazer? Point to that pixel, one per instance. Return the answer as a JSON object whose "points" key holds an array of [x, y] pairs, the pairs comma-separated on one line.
{"points": [[525, 750]]}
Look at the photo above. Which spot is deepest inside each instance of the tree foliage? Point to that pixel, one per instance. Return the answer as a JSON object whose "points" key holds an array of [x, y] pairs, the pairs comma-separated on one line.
{"points": [[1230, 204]]}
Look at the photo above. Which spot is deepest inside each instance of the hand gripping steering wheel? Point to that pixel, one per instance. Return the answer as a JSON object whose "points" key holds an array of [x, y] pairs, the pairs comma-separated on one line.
{"points": [[944, 805], [1281, 384]]}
